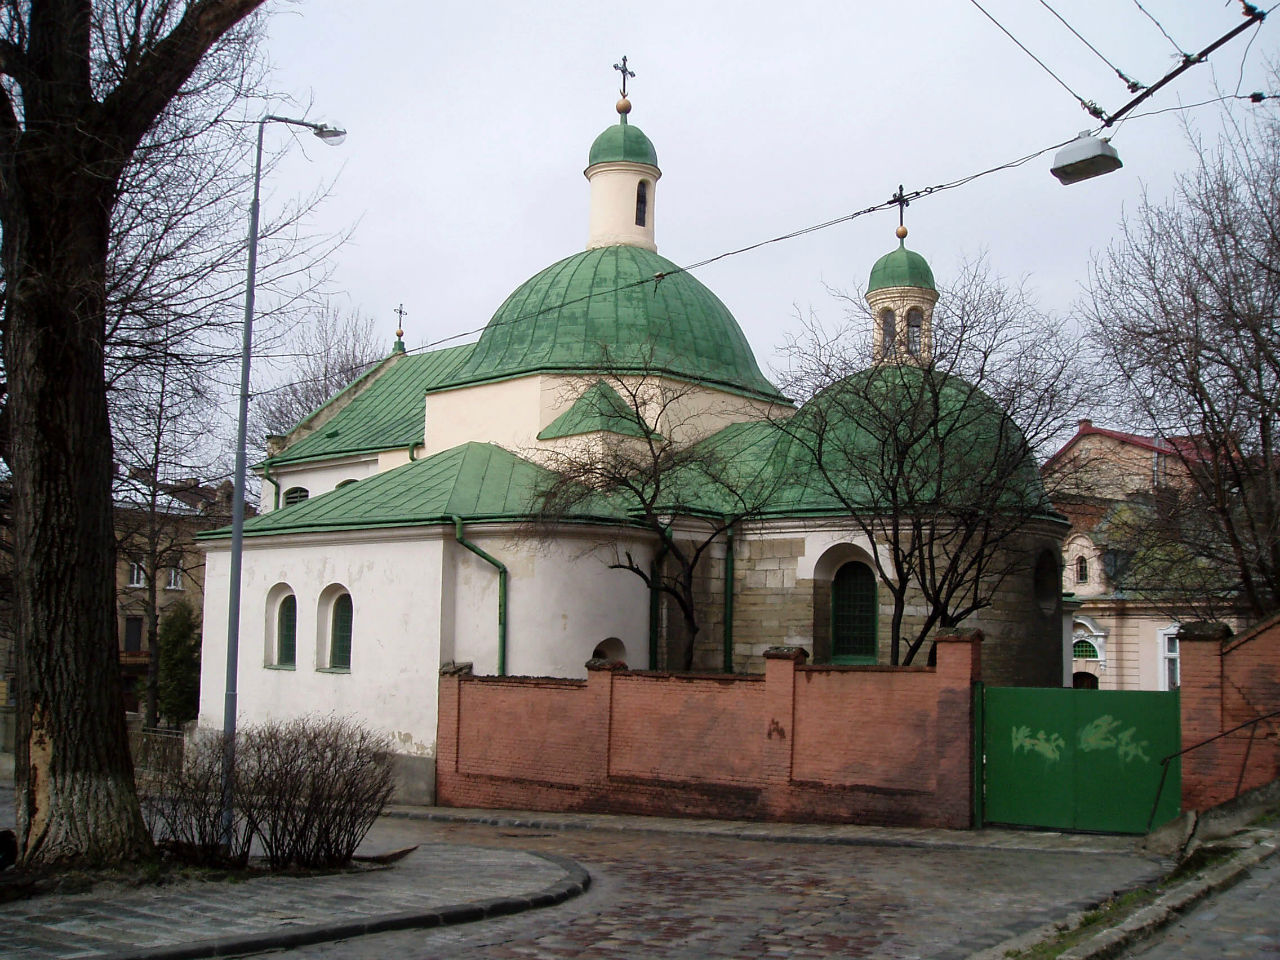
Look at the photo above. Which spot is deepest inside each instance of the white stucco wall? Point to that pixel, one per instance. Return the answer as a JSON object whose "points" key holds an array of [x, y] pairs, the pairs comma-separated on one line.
{"points": [[613, 205], [319, 477], [394, 584]]}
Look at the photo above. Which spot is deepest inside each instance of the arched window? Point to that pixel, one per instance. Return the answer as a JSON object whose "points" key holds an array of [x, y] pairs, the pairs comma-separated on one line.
{"points": [[853, 614], [1084, 680], [888, 332], [642, 203], [340, 633], [915, 328], [345, 483], [287, 632], [1084, 650], [1082, 569], [295, 495]]}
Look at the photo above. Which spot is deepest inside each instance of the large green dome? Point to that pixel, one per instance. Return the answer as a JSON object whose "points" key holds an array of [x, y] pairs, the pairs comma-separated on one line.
{"points": [[622, 141], [901, 268], [602, 310]]}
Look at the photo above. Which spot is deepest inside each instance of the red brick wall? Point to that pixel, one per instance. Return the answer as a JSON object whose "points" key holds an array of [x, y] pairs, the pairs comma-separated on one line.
{"points": [[1226, 683], [835, 744]]}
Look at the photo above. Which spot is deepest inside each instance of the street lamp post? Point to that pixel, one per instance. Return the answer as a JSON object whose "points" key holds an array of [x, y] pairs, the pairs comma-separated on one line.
{"points": [[333, 136]]}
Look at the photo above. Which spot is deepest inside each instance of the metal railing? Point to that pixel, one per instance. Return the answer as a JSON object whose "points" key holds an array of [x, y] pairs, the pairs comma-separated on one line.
{"points": [[1244, 763]]}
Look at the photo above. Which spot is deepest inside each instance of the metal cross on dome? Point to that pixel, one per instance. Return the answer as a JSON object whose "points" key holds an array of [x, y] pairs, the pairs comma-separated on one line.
{"points": [[622, 68], [400, 313], [901, 200]]}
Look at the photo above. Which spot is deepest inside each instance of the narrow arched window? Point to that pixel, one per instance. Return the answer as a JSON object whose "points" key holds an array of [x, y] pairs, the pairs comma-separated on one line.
{"points": [[853, 614], [295, 495], [340, 633], [287, 632], [642, 203], [888, 332], [1082, 569], [915, 330]]}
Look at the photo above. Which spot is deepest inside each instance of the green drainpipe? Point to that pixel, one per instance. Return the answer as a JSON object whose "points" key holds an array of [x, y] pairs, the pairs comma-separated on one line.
{"points": [[266, 475], [502, 592], [728, 599]]}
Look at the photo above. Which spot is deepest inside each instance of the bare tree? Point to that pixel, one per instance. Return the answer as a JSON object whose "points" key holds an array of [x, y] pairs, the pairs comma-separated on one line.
{"points": [[82, 86], [329, 350], [1185, 308], [637, 451], [933, 456]]}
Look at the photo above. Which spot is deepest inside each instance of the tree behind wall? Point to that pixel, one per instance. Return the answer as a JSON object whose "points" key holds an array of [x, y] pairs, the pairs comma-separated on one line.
{"points": [[83, 83], [179, 673], [1185, 307], [934, 458]]}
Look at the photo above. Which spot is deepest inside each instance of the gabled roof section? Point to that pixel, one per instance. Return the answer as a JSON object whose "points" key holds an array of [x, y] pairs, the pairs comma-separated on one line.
{"points": [[474, 481], [385, 413], [600, 408]]}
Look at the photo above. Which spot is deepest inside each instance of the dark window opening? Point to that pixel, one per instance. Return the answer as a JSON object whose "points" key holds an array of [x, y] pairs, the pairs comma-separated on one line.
{"points": [[642, 203], [132, 634], [853, 614], [295, 495], [287, 632], [915, 329], [1082, 569], [888, 332], [340, 634]]}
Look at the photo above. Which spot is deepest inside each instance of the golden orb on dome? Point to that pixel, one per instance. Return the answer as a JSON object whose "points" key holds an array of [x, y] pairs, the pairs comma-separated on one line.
{"points": [[624, 106], [901, 233]]}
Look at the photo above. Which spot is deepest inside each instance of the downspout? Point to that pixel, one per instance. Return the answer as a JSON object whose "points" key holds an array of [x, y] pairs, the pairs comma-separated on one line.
{"points": [[728, 599], [413, 446], [502, 592], [266, 475], [654, 614]]}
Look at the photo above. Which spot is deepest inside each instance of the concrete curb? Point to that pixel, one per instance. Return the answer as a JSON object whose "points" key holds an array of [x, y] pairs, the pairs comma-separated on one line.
{"points": [[768, 832], [576, 882], [1148, 920]]}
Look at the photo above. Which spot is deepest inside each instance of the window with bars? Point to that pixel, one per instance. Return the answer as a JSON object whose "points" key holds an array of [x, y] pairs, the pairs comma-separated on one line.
{"points": [[1084, 650], [853, 614], [295, 495], [340, 633], [287, 632]]}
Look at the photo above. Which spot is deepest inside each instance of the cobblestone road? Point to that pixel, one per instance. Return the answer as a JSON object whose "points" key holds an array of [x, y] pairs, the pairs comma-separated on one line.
{"points": [[660, 895], [1243, 921]]}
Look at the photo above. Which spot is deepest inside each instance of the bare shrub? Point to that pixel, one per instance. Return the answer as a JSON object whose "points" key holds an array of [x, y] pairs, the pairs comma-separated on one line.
{"points": [[182, 807], [306, 790]]}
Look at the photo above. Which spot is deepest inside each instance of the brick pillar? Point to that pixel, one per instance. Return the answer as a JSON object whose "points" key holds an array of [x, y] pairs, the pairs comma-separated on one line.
{"points": [[600, 696], [779, 719], [959, 668], [448, 715], [1206, 775]]}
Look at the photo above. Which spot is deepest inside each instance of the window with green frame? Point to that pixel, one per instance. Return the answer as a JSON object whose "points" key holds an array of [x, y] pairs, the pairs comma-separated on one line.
{"points": [[1084, 650], [287, 632], [853, 614], [340, 633]]}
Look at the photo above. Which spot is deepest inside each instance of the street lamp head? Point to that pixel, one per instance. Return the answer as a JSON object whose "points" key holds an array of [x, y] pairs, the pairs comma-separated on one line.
{"points": [[333, 136]]}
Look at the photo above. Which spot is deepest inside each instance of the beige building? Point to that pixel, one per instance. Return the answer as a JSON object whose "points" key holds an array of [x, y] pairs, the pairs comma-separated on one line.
{"points": [[1119, 642]]}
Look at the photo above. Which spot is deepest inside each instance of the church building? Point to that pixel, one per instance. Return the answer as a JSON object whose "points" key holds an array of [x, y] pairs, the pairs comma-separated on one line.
{"points": [[396, 533]]}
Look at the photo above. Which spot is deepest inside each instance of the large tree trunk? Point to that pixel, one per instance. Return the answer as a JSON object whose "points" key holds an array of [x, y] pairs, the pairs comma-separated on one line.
{"points": [[77, 801]]}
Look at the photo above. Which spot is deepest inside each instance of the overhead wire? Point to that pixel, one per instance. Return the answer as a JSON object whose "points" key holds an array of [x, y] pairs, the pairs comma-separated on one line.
{"points": [[1161, 28], [1089, 106], [1133, 85]]}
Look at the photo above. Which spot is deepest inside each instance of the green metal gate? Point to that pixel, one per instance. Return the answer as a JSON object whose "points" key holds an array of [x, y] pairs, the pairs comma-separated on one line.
{"points": [[1078, 759]]}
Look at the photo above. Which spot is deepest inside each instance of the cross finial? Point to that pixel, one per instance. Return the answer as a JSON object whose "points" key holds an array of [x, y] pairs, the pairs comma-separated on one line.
{"points": [[901, 200], [622, 68], [400, 313]]}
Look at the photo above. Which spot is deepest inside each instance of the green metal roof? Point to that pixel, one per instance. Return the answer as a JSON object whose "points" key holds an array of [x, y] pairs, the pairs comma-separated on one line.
{"points": [[386, 414], [474, 481], [599, 408], [622, 141], [901, 268], [603, 310]]}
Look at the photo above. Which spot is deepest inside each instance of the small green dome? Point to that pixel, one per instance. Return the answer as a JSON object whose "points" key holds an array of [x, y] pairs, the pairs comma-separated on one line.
{"points": [[602, 311], [623, 141], [901, 268]]}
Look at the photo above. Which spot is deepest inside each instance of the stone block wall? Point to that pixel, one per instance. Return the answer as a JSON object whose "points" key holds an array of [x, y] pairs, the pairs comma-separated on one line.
{"points": [[831, 744]]}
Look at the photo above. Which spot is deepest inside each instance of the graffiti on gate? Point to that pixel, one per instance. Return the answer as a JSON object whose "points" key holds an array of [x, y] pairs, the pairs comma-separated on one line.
{"points": [[1101, 733]]}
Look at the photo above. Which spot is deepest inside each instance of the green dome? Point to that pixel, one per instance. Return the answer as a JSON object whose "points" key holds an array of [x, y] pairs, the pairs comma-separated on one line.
{"points": [[623, 141], [601, 310], [870, 427], [901, 268]]}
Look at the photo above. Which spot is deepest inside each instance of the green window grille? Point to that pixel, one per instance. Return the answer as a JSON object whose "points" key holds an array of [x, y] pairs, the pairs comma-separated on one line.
{"points": [[853, 615], [287, 632], [1084, 650], [296, 495], [340, 637]]}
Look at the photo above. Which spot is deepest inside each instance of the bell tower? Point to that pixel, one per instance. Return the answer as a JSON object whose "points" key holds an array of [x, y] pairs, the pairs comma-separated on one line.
{"points": [[901, 295]]}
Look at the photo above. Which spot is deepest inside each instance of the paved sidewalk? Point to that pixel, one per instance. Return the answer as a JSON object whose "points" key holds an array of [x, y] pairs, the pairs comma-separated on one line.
{"points": [[436, 885]]}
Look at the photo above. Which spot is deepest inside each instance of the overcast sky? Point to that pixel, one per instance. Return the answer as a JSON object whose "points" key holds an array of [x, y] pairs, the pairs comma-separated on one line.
{"points": [[469, 125]]}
